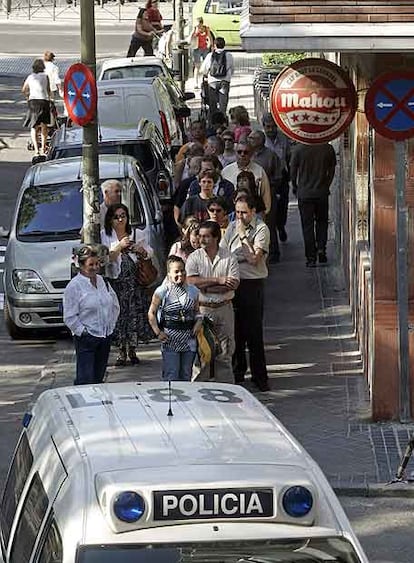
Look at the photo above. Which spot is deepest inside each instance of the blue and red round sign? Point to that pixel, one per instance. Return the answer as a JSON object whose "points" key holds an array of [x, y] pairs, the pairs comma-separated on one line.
{"points": [[389, 105], [80, 95]]}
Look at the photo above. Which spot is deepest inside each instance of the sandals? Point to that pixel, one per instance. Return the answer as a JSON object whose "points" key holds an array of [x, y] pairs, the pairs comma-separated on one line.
{"points": [[133, 358], [121, 359]]}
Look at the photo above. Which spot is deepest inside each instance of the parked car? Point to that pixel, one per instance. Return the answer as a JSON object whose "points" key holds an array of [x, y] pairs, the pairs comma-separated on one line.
{"points": [[126, 102], [148, 67], [222, 17], [145, 143], [46, 227]]}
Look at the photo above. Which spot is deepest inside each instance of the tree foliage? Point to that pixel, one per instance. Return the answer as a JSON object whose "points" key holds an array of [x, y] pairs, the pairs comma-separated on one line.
{"points": [[281, 59]]}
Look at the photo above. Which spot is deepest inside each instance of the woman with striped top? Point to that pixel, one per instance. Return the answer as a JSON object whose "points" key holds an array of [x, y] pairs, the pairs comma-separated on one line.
{"points": [[175, 318]]}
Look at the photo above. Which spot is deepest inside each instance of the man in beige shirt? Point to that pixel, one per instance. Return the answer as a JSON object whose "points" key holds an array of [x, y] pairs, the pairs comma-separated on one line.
{"points": [[244, 154], [216, 274], [248, 239]]}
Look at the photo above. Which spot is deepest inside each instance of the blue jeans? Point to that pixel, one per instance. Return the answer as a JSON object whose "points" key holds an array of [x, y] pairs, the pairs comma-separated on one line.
{"points": [[92, 355], [177, 366]]}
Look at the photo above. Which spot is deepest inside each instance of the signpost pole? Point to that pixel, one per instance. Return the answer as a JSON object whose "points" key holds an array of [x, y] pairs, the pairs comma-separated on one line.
{"points": [[90, 167], [402, 279]]}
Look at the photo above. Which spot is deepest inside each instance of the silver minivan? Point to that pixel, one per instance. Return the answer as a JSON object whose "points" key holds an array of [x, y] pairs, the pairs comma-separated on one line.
{"points": [[46, 226]]}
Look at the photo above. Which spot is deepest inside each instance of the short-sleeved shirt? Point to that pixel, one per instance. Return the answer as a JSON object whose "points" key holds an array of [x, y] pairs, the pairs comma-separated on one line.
{"points": [[259, 237], [223, 264], [195, 206]]}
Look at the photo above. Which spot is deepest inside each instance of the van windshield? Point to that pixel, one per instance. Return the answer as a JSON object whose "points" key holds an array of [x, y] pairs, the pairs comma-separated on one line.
{"points": [[50, 212], [305, 550]]}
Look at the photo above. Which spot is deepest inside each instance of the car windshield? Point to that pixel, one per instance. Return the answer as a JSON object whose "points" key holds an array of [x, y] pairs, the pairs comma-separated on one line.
{"points": [[305, 550], [50, 212], [140, 151], [139, 71]]}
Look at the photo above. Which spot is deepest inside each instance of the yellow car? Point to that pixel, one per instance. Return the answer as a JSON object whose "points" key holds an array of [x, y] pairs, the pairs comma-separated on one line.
{"points": [[222, 17]]}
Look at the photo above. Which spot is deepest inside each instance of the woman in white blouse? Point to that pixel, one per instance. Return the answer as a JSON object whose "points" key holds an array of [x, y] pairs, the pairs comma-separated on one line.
{"points": [[90, 311], [36, 88]]}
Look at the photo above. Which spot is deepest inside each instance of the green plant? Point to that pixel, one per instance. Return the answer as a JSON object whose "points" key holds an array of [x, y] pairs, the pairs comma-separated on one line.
{"points": [[281, 58]]}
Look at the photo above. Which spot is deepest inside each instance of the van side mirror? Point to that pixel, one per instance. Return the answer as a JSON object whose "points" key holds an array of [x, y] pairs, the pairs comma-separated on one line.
{"points": [[188, 96], [4, 232], [182, 112]]}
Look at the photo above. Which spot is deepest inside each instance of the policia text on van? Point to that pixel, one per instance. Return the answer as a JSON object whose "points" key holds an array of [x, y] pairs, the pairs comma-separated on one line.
{"points": [[105, 474]]}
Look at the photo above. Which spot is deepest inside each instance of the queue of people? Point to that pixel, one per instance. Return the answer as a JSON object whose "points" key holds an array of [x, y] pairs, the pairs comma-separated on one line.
{"points": [[231, 183]]}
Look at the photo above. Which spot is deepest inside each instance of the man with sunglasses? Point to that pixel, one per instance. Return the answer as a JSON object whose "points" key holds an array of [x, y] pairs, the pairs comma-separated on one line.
{"points": [[243, 162], [217, 211]]}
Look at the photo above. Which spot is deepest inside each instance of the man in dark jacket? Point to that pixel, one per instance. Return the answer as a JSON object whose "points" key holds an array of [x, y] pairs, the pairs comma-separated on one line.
{"points": [[312, 168]]}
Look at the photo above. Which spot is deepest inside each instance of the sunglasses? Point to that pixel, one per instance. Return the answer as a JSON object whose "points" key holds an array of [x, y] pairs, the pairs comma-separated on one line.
{"points": [[120, 216], [243, 152], [216, 210], [228, 139]]}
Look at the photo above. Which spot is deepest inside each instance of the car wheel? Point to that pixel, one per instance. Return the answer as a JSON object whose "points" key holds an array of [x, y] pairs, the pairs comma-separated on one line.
{"points": [[14, 331]]}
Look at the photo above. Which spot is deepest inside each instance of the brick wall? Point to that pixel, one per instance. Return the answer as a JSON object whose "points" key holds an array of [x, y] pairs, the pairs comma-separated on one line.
{"points": [[331, 11]]}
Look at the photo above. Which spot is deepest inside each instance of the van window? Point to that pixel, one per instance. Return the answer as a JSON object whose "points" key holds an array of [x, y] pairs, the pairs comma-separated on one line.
{"points": [[50, 213], [17, 477], [52, 550], [303, 550], [223, 6], [30, 521], [139, 71], [140, 151]]}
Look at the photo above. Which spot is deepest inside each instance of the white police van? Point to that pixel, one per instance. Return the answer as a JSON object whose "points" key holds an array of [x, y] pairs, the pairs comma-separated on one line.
{"points": [[138, 473]]}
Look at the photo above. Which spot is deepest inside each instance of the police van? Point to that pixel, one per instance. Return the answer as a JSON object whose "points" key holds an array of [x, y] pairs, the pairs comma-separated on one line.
{"points": [[146, 473]]}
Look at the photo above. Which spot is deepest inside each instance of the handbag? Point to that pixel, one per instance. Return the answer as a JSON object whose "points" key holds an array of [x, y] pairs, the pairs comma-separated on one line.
{"points": [[147, 273], [208, 343]]}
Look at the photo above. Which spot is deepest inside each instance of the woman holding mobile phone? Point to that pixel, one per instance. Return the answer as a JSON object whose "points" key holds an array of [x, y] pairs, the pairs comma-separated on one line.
{"points": [[132, 324]]}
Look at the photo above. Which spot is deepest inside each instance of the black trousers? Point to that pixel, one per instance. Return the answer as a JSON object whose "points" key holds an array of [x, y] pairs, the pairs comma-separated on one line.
{"points": [[282, 204], [271, 222], [136, 44], [92, 355], [248, 330], [314, 214], [218, 97]]}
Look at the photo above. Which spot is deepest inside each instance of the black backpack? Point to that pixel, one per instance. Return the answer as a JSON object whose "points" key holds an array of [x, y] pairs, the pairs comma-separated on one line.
{"points": [[218, 67]]}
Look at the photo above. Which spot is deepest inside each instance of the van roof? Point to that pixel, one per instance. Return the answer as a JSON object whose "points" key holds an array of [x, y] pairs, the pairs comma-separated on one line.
{"points": [[74, 135], [64, 170], [211, 424]]}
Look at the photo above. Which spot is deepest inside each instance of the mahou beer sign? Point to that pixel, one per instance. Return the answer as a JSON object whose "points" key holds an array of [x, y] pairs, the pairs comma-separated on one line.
{"points": [[313, 101]]}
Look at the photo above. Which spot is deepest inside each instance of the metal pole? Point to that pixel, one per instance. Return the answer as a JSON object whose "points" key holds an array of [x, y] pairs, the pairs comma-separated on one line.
{"points": [[90, 166], [402, 279], [183, 51]]}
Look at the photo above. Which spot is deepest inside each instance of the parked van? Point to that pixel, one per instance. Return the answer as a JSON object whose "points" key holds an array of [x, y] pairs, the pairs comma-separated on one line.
{"points": [[46, 226], [125, 102], [142, 473]]}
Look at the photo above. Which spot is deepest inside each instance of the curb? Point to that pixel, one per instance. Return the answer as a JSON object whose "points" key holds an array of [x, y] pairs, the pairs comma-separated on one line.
{"points": [[391, 490]]}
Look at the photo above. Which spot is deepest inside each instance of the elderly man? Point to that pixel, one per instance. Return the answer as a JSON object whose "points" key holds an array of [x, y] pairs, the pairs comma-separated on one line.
{"points": [[216, 274], [247, 238], [244, 153], [270, 162], [111, 191]]}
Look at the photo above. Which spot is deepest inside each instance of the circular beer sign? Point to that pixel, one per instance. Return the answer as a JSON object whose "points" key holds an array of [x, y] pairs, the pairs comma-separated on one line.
{"points": [[313, 101]]}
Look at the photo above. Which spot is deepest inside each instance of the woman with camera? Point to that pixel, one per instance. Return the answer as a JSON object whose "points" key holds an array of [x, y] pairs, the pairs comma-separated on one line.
{"points": [[124, 257]]}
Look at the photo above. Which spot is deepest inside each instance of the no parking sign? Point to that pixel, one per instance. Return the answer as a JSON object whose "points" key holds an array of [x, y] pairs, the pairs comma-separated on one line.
{"points": [[79, 92]]}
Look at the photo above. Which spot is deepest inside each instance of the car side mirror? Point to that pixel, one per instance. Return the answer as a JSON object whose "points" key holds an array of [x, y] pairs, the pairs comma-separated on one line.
{"points": [[158, 216], [182, 112], [5, 233], [176, 73], [188, 96]]}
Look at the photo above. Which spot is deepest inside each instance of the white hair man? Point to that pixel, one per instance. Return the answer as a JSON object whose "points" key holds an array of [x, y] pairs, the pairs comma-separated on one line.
{"points": [[111, 191]]}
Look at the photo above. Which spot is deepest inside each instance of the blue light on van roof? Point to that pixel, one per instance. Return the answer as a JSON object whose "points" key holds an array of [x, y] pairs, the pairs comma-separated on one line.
{"points": [[129, 506], [27, 417], [297, 501]]}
